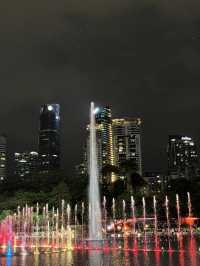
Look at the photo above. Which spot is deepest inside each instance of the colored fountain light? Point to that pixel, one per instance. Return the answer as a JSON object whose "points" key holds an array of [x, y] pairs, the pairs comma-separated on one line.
{"points": [[40, 230], [92, 226], [9, 249]]}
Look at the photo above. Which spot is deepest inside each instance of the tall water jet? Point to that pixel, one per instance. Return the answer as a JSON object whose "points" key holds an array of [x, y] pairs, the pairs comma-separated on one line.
{"points": [[190, 211], [105, 215], [178, 213], [82, 220], [133, 214], [155, 215], [168, 221], [95, 224]]}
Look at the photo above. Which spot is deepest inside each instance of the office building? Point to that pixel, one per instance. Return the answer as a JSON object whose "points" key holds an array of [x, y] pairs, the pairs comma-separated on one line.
{"points": [[127, 141], [49, 137], [104, 137], [182, 157], [3, 158]]}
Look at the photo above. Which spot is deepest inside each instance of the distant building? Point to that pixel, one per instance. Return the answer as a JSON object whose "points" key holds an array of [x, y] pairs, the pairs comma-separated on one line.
{"points": [[182, 157], [81, 170], [156, 181], [26, 163], [49, 137], [127, 141], [3, 157]]}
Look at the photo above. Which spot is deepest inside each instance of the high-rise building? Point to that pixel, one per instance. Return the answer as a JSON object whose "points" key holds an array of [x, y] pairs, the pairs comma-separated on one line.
{"points": [[49, 137], [105, 155], [182, 157], [3, 158], [104, 132], [26, 163], [127, 141], [81, 170], [118, 140]]}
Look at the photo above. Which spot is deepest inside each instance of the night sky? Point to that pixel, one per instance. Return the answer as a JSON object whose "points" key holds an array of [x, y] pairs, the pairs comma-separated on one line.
{"points": [[141, 57]]}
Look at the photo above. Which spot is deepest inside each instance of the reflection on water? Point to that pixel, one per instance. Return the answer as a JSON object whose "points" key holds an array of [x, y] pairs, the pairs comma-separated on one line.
{"points": [[9, 261], [97, 258], [183, 257]]}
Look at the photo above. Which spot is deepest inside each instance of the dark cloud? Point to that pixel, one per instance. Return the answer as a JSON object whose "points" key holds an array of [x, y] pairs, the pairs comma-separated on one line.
{"points": [[141, 57]]}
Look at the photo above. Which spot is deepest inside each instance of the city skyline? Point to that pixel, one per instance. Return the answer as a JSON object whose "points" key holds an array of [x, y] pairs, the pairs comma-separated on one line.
{"points": [[100, 132], [141, 57], [70, 169]]}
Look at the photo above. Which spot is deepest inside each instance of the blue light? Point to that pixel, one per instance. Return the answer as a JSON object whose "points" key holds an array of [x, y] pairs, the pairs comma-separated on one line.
{"points": [[9, 250]]}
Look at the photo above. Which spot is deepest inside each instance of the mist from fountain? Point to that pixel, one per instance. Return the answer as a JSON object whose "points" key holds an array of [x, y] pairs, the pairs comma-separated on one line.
{"points": [[95, 223]]}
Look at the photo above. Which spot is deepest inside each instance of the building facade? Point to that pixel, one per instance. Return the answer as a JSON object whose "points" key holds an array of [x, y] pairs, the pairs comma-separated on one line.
{"points": [[49, 137], [26, 163], [3, 157], [118, 140], [104, 133], [104, 138], [182, 157], [127, 141]]}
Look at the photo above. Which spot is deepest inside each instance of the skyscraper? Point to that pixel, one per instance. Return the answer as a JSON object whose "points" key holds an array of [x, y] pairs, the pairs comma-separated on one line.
{"points": [[26, 163], [182, 157], [118, 140], [127, 141], [104, 139], [104, 130], [3, 157], [49, 137]]}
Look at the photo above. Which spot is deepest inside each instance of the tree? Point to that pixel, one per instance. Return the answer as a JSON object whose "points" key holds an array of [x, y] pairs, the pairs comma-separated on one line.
{"points": [[59, 193], [127, 168], [107, 172], [137, 183]]}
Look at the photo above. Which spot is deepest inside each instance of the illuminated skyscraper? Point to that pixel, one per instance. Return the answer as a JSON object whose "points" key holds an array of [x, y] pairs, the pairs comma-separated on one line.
{"points": [[104, 132], [127, 141], [104, 139], [3, 158], [49, 137], [118, 140], [182, 157]]}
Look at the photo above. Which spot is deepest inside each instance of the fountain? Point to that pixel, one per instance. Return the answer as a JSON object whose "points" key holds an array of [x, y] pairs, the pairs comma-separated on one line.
{"points": [[95, 224], [178, 213], [155, 223], [190, 211], [133, 213], [35, 230], [104, 215], [39, 229]]}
